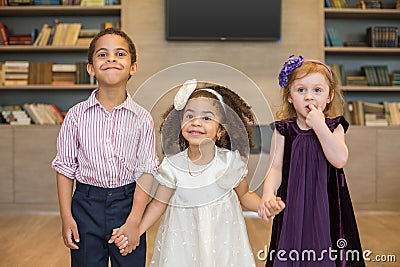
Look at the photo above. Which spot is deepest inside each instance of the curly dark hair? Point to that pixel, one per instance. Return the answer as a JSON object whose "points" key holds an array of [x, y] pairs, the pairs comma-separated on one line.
{"points": [[92, 46], [171, 125]]}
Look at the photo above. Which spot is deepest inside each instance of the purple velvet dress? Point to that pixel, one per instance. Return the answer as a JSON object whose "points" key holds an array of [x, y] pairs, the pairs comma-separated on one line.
{"points": [[317, 227]]}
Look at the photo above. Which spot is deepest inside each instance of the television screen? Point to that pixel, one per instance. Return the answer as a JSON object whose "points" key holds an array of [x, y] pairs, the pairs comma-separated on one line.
{"points": [[223, 19]]}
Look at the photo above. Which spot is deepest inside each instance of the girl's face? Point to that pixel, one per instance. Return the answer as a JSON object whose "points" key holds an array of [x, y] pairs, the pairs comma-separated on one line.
{"points": [[112, 60], [200, 122], [313, 89]]}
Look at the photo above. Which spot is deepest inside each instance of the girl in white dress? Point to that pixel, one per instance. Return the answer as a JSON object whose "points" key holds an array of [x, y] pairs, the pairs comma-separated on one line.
{"points": [[202, 184]]}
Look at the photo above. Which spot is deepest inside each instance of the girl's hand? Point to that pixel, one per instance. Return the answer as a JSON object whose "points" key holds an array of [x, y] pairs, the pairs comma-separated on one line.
{"points": [[126, 238], [120, 241], [315, 117], [269, 208]]}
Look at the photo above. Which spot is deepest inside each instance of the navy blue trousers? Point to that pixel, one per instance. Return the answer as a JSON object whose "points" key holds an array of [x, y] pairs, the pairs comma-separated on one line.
{"points": [[97, 211]]}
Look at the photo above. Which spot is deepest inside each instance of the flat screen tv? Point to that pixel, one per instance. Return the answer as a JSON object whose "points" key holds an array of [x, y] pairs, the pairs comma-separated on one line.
{"points": [[223, 19]]}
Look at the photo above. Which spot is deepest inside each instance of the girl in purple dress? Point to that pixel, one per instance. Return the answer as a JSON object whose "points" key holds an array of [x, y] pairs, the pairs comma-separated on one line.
{"points": [[308, 152]]}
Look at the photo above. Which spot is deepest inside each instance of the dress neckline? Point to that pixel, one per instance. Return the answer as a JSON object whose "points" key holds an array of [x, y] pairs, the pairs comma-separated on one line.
{"points": [[198, 169], [301, 131]]}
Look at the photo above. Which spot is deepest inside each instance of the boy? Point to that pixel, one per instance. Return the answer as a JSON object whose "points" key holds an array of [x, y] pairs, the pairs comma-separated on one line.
{"points": [[107, 145]]}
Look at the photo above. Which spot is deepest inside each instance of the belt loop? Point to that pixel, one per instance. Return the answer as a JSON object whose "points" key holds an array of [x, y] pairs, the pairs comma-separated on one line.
{"points": [[126, 189], [88, 190], [129, 188]]}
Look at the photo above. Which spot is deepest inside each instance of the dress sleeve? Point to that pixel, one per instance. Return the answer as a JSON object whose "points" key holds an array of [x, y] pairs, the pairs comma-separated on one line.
{"points": [[333, 123], [280, 126], [235, 171], [165, 174]]}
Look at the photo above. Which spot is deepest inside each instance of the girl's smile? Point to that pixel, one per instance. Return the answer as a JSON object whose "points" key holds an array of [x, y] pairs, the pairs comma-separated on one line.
{"points": [[200, 120]]}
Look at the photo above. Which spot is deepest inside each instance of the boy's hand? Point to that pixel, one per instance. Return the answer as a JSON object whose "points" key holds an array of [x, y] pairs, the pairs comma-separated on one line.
{"points": [[120, 241], [70, 233], [269, 208], [126, 238]]}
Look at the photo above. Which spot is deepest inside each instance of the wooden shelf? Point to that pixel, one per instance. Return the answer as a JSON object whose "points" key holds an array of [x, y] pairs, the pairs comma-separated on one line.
{"points": [[349, 13], [362, 50], [354, 88], [50, 87], [19, 11], [45, 49]]}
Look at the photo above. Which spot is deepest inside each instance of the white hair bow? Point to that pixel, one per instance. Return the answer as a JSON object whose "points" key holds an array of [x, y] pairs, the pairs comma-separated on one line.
{"points": [[184, 93]]}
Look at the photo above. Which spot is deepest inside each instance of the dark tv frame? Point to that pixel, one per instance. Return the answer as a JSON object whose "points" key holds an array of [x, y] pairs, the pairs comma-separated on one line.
{"points": [[199, 16]]}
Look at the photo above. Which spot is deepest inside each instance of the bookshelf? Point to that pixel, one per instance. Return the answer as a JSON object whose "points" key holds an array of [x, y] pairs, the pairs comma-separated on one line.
{"points": [[27, 181], [350, 24], [372, 169], [17, 17]]}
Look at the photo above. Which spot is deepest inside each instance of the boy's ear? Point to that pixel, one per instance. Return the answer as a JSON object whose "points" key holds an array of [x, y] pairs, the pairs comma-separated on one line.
{"points": [[134, 68], [90, 69]]}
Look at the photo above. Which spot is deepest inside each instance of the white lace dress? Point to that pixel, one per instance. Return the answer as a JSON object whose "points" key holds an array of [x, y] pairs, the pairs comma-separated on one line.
{"points": [[203, 226]]}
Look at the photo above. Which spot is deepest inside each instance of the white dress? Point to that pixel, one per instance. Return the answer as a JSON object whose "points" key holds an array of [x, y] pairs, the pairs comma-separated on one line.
{"points": [[203, 226]]}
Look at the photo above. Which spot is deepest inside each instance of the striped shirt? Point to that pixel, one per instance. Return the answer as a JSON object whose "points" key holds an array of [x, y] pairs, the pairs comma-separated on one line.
{"points": [[106, 149]]}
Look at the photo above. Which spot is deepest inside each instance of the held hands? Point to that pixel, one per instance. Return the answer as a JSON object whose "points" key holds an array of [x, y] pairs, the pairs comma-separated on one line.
{"points": [[269, 208], [315, 117], [126, 238]]}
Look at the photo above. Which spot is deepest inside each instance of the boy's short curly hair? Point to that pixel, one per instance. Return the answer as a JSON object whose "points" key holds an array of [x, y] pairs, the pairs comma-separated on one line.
{"points": [[92, 46], [171, 125]]}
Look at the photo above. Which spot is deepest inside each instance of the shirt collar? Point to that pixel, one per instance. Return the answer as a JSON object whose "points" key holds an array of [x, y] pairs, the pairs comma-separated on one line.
{"points": [[128, 104]]}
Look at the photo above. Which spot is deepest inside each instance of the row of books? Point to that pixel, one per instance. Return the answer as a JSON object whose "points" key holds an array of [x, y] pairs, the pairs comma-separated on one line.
{"points": [[60, 34], [57, 34], [16, 73], [373, 114], [376, 36], [37, 113], [377, 75], [59, 2], [379, 36], [336, 3], [372, 75], [14, 115], [370, 4]]}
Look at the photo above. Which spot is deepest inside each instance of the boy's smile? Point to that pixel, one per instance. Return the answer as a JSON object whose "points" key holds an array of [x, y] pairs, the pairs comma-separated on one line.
{"points": [[112, 60]]}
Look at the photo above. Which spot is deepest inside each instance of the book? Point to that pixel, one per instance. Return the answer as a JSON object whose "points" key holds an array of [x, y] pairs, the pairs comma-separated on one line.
{"points": [[53, 30], [40, 73], [394, 113], [356, 80], [72, 34], [328, 3], [339, 71], [4, 33], [370, 74], [15, 115], [333, 35], [92, 2], [20, 39]]}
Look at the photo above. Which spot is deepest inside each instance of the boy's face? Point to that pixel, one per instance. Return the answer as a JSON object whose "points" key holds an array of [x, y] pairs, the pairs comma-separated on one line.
{"points": [[112, 60]]}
